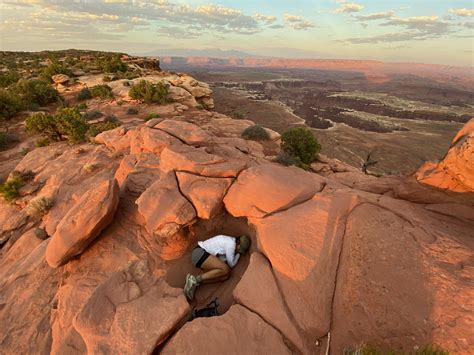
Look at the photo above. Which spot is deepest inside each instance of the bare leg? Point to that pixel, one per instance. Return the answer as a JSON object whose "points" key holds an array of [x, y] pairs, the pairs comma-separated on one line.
{"points": [[215, 270]]}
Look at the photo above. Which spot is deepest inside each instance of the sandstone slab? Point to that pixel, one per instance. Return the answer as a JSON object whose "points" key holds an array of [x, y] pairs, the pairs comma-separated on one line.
{"points": [[185, 131], [226, 334], [115, 139], [265, 189], [130, 313], [198, 161], [303, 245], [265, 300], [83, 223], [206, 194]]}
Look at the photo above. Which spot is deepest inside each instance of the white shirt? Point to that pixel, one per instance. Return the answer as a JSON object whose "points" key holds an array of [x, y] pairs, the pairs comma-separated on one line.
{"points": [[222, 246]]}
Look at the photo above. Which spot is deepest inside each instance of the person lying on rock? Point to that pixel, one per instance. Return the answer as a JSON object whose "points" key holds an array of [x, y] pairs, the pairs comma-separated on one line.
{"points": [[215, 256]]}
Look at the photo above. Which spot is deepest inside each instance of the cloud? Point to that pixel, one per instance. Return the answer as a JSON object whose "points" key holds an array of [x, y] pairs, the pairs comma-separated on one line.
{"points": [[298, 22], [349, 7], [414, 28], [263, 18], [469, 25], [462, 12], [376, 16], [160, 14]]}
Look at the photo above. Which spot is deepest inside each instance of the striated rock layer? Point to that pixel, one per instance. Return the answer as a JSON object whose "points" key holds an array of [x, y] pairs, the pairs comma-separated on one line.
{"points": [[384, 261]]}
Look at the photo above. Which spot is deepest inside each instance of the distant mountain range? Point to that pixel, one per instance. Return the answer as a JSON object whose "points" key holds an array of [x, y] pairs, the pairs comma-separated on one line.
{"points": [[208, 52]]}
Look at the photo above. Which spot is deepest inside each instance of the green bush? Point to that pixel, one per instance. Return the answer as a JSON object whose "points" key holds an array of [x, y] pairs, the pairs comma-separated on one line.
{"points": [[106, 78], [42, 142], [92, 115], [35, 91], [238, 115], [9, 189], [300, 142], [149, 92], [150, 116], [288, 160], [132, 111], [256, 133], [71, 124], [82, 106], [8, 78], [39, 206], [102, 91], [84, 94], [53, 69], [66, 124], [112, 65], [10, 104]]}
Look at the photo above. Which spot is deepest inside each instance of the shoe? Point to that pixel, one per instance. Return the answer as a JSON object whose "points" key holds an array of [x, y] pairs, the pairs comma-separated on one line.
{"points": [[190, 286]]}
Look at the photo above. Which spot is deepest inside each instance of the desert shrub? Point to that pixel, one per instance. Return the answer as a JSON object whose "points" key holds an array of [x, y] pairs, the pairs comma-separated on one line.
{"points": [[131, 76], [90, 167], [288, 160], [238, 115], [66, 124], [53, 69], [42, 142], [35, 91], [82, 106], [150, 116], [84, 94], [150, 92], [256, 133], [132, 111], [6, 139], [112, 65], [92, 115], [10, 188], [366, 349], [39, 206], [126, 83], [43, 124], [106, 78], [10, 104], [300, 142], [8, 78], [71, 124], [101, 91]]}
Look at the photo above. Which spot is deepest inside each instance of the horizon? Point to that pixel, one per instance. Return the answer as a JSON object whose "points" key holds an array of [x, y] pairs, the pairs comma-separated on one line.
{"points": [[402, 31]]}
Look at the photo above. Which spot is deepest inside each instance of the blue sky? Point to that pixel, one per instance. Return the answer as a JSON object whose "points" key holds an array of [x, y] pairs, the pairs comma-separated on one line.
{"points": [[414, 31]]}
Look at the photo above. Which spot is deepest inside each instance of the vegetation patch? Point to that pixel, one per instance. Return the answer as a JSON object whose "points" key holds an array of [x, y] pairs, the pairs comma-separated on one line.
{"points": [[39, 206], [300, 143], [84, 94], [92, 115], [35, 91], [256, 133], [150, 93], [66, 124], [102, 92], [6, 139], [42, 142], [112, 65], [132, 111], [10, 104], [54, 69], [10, 188], [150, 116]]}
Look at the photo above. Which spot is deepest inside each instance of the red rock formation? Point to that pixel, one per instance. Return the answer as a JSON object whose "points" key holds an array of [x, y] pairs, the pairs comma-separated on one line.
{"points": [[385, 261]]}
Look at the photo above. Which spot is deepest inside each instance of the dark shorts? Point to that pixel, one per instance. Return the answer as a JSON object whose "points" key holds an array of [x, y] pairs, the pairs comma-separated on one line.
{"points": [[198, 256]]}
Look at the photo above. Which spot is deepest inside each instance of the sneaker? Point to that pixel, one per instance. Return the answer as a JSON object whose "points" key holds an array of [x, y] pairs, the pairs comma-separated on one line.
{"points": [[190, 286]]}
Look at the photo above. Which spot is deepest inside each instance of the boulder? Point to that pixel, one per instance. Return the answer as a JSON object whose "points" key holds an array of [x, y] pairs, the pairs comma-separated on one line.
{"points": [[265, 300], [455, 172], [115, 139], [205, 193], [269, 188], [60, 79], [198, 161], [238, 331], [165, 212], [83, 223], [155, 140], [303, 245], [130, 313], [185, 131]]}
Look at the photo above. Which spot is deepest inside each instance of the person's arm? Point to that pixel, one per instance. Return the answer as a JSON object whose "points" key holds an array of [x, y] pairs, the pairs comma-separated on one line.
{"points": [[231, 256]]}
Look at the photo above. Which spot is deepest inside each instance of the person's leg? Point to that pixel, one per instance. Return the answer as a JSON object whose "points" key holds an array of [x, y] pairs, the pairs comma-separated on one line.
{"points": [[215, 270]]}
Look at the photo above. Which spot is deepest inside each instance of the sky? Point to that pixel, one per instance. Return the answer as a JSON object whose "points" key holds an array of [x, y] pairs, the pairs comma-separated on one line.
{"points": [[425, 31]]}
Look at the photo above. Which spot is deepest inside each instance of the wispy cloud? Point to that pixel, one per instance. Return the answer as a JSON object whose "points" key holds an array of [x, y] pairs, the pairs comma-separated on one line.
{"points": [[349, 7], [462, 12], [298, 22], [376, 16], [264, 18]]}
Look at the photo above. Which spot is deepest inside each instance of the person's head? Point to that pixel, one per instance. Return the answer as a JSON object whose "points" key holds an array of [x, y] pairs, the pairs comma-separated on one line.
{"points": [[243, 244]]}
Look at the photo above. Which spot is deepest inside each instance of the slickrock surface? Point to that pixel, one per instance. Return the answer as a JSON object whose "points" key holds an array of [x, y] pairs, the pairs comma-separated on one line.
{"points": [[385, 261]]}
